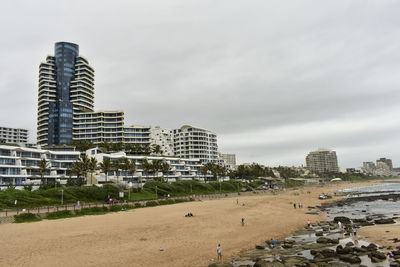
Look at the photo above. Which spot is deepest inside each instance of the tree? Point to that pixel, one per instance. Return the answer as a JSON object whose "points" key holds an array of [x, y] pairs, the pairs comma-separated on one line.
{"points": [[128, 166], [165, 168], [82, 145], [146, 166], [116, 166], [82, 166], [105, 166], [156, 149], [146, 150], [156, 167], [92, 167], [43, 167]]}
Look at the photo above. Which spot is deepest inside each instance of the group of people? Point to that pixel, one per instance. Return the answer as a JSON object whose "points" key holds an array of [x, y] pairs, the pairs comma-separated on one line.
{"points": [[189, 214], [298, 205], [352, 227]]}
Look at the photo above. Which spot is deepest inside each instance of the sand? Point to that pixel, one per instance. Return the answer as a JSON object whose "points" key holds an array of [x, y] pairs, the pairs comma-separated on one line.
{"points": [[160, 236], [381, 234]]}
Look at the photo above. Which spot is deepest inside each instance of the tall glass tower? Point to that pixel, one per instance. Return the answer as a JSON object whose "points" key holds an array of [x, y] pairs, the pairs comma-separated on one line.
{"points": [[66, 87]]}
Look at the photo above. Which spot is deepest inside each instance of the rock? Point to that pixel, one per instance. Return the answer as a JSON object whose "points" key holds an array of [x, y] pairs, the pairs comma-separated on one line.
{"points": [[350, 244], [286, 246], [372, 247], [289, 241], [384, 221], [377, 256], [260, 247], [263, 263], [350, 258], [343, 250], [294, 261], [319, 233], [328, 253], [220, 264], [325, 240], [342, 219]]}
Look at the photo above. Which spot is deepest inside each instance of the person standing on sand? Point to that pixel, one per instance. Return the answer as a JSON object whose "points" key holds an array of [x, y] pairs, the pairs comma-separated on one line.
{"points": [[237, 201], [309, 224], [294, 205], [242, 221], [219, 252]]}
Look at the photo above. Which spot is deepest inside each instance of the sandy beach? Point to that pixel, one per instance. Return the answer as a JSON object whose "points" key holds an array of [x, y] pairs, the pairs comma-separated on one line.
{"points": [[161, 236], [380, 234]]}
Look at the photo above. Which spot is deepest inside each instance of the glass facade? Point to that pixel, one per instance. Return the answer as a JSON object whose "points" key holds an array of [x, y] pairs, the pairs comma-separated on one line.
{"points": [[61, 110]]}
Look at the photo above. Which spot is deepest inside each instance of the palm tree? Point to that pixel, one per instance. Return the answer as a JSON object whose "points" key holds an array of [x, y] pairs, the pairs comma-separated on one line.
{"points": [[92, 167], [83, 165], [105, 166], [165, 168], [77, 169], [156, 167], [116, 166], [146, 150], [43, 167], [156, 149], [146, 166]]}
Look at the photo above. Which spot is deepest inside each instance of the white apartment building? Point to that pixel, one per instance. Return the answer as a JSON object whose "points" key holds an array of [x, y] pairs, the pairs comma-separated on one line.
{"points": [[195, 143], [20, 165], [164, 138], [322, 160], [180, 168], [13, 135], [108, 126]]}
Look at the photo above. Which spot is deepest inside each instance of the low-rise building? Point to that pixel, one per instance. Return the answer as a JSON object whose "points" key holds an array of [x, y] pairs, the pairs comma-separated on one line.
{"points": [[13, 135], [179, 168], [20, 165], [229, 160]]}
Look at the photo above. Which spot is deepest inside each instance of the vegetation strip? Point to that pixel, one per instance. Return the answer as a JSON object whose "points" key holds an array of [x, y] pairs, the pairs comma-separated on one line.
{"points": [[31, 217]]}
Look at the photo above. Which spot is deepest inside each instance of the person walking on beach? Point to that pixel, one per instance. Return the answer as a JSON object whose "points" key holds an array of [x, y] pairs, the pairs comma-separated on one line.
{"points": [[309, 224], [219, 252], [294, 205], [242, 221]]}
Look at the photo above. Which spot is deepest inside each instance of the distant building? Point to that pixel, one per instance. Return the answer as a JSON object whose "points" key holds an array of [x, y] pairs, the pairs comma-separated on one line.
{"points": [[368, 167], [13, 135], [229, 160], [322, 160], [195, 143], [164, 138], [388, 162]]}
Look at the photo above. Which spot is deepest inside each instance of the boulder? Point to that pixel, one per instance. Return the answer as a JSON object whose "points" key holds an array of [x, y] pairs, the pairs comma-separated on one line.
{"points": [[384, 221], [350, 258], [263, 263], [349, 244], [377, 256], [342, 219], [325, 240], [343, 250], [260, 247], [319, 233], [220, 264]]}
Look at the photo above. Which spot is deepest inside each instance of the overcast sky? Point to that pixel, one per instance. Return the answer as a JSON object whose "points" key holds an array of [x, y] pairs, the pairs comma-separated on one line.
{"points": [[274, 79]]}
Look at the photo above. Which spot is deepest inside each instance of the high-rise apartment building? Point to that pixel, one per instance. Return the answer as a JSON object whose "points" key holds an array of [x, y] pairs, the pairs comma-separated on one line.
{"points": [[322, 160], [66, 87], [195, 143], [13, 135], [388, 162]]}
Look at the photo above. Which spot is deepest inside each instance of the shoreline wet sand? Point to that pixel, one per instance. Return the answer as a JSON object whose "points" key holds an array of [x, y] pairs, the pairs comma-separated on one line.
{"points": [[162, 236]]}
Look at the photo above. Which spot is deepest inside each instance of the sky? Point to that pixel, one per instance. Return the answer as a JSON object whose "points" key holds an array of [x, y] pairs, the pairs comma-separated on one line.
{"points": [[273, 79]]}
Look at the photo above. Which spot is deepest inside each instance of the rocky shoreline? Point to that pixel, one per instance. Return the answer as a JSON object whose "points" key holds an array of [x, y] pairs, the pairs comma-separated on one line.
{"points": [[326, 244]]}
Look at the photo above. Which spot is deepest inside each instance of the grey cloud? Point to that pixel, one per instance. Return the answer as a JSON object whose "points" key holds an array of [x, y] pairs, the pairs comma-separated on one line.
{"points": [[235, 67]]}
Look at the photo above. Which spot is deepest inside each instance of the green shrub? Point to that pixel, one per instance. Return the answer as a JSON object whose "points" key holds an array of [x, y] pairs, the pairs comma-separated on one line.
{"points": [[152, 203], [116, 208], [92, 211], [59, 214], [180, 200], [166, 202], [138, 205], [27, 217], [127, 206]]}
